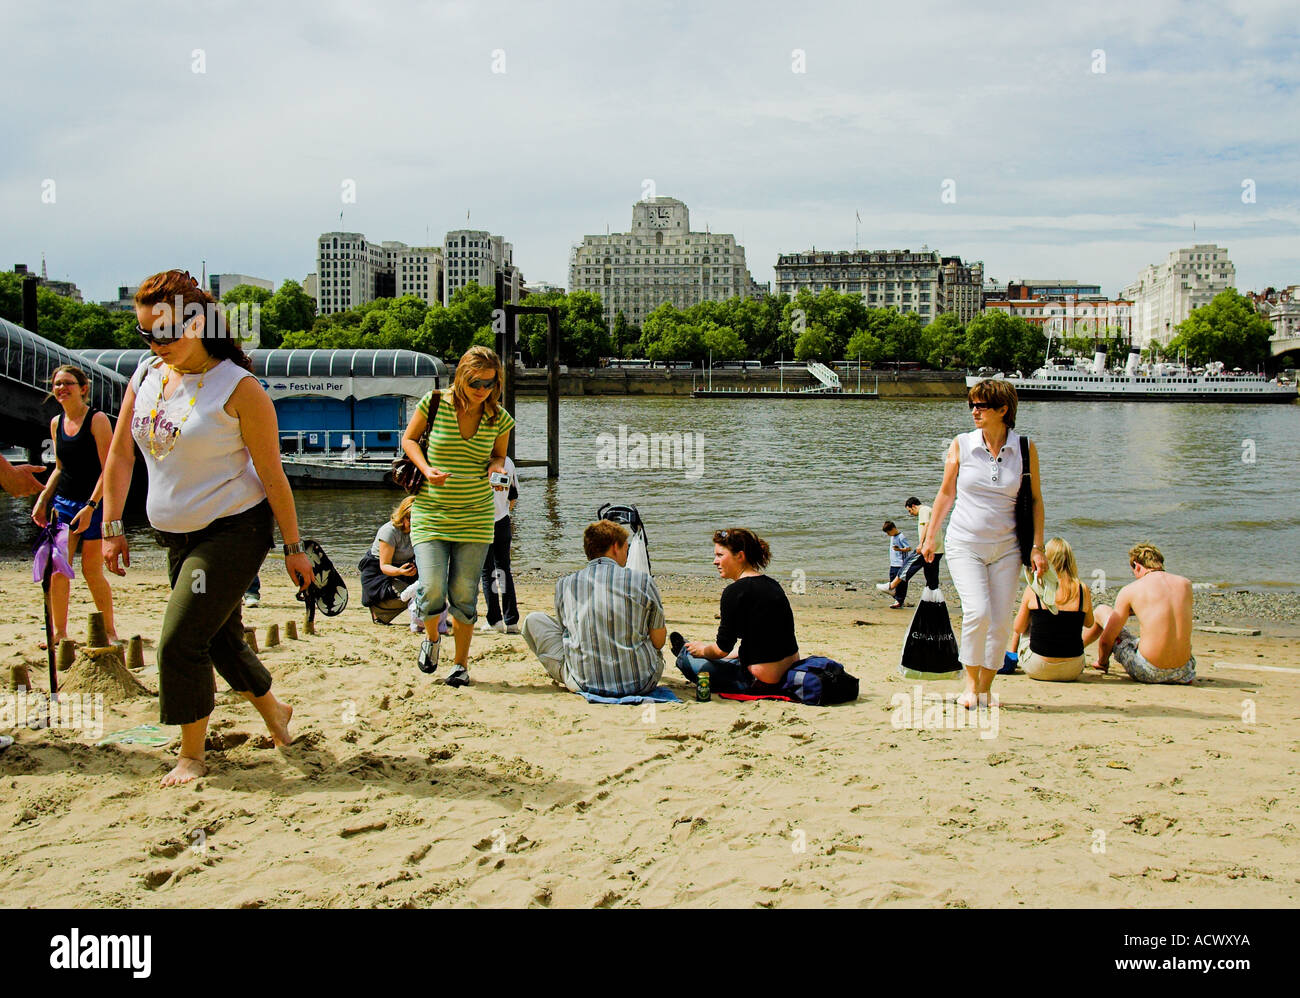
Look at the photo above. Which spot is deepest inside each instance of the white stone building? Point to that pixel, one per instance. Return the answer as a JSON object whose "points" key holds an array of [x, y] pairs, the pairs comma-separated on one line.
{"points": [[1165, 294], [659, 260], [351, 270], [475, 256], [221, 284], [923, 282]]}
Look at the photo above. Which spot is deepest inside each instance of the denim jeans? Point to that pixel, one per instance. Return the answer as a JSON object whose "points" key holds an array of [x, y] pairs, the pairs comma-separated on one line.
{"points": [[499, 590], [449, 573], [726, 675]]}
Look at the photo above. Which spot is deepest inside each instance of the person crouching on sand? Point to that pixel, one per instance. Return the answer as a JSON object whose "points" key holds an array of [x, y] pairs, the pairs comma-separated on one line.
{"points": [[1162, 603], [1049, 642], [211, 444], [754, 611]]}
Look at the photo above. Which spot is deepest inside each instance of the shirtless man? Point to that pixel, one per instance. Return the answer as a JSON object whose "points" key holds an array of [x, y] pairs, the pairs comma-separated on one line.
{"points": [[1162, 603]]}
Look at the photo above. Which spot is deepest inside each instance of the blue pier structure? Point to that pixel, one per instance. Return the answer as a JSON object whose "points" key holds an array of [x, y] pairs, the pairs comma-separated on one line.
{"points": [[330, 402], [27, 362]]}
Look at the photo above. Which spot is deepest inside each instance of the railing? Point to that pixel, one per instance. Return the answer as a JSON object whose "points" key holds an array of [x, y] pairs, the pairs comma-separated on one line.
{"points": [[347, 444], [824, 374]]}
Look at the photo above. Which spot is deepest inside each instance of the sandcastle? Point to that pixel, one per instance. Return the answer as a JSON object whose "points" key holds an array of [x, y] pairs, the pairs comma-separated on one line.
{"points": [[100, 669]]}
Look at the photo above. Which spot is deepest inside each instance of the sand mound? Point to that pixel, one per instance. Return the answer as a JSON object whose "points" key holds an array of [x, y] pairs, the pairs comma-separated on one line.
{"points": [[102, 671]]}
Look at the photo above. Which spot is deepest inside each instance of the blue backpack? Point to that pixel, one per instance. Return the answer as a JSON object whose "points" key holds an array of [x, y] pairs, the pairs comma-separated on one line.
{"points": [[819, 681]]}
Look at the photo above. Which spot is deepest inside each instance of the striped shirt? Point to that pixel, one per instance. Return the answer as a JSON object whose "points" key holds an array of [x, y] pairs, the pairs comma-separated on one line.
{"points": [[460, 509], [608, 612]]}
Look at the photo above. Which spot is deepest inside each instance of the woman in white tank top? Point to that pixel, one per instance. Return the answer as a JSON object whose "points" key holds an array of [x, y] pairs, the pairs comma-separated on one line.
{"points": [[981, 478], [208, 433]]}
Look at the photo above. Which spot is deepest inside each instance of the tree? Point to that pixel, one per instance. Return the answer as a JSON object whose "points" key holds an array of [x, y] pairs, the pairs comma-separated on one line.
{"points": [[866, 345], [248, 317], [813, 344], [997, 340], [291, 309], [722, 342], [942, 343], [1228, 329]]}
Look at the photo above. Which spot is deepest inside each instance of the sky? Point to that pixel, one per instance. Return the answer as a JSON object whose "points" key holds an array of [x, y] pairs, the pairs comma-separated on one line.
{"points": [[1074, 140]]}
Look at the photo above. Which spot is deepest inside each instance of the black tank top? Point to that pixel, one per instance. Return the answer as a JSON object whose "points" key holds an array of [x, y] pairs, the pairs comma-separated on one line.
{"points": [[79, 460], [1057, 635]]}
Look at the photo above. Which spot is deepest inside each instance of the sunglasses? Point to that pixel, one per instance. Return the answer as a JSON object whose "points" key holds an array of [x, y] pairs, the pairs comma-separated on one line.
{"points": [[480, 383], [982, 405], [168, 334]]}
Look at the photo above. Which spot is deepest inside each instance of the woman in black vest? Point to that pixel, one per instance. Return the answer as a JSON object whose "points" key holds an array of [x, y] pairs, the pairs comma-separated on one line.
{"points": [[1049, 639], [81, 435]]}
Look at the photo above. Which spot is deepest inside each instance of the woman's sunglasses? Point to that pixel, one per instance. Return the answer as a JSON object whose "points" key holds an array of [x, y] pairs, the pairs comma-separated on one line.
{"points": [[166, 334], [478, 384]]}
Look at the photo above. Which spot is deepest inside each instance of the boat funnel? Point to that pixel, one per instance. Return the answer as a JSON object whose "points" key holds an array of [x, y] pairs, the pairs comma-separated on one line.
{"points": [[1131, 366], [1099, 362]]}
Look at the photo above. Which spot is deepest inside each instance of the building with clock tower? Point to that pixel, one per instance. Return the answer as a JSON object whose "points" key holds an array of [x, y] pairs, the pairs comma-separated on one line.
{"points": [[659, 260]]}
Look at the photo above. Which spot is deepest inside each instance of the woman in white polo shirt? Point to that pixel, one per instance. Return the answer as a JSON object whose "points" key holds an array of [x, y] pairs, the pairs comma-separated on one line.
{"points": [[981, 477], [208, 433]]}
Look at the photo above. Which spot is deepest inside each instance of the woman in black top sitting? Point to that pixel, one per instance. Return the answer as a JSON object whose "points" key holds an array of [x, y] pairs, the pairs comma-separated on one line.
{"points": [[1052, 650], [755, 611]]}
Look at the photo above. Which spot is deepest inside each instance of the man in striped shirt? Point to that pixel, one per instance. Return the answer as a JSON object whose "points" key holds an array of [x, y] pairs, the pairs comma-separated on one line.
{"points": [[611, 627]]}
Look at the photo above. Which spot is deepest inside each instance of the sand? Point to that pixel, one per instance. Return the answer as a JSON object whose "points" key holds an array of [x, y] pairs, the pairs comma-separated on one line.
{"points": [[402, 793]]}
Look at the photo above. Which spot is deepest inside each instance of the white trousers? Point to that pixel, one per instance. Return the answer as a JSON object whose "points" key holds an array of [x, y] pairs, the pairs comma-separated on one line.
{"points": [[986, 577]]}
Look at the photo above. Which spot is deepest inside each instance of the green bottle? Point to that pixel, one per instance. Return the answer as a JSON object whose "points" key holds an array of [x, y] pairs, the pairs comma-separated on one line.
{"points": [[703, 688]]}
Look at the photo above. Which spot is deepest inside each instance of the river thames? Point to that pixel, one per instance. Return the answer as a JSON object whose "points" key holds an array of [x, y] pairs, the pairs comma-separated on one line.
{"points": [[1214, 487]]}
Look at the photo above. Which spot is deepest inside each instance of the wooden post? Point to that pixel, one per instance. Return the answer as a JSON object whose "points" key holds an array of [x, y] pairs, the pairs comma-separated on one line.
{"points": [[506, 351], [552, 393]]}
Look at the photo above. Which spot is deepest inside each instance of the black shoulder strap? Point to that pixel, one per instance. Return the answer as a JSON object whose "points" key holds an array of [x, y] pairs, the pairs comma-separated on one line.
{"points": [[1024, 456]]}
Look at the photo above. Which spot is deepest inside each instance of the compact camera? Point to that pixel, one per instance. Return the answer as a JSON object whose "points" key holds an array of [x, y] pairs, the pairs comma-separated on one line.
{"points": [[499, 478]]}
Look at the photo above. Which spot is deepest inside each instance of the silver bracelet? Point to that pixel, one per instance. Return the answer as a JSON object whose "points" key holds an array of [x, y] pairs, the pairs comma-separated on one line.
{"points": [[112, 528]]}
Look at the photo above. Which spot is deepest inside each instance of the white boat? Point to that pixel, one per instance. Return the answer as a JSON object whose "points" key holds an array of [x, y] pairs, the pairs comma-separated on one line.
{"points": [[1137, 382]]}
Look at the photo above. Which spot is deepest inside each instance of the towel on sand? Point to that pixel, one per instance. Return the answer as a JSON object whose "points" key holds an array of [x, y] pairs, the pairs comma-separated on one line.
{"points": [[661, 695]]}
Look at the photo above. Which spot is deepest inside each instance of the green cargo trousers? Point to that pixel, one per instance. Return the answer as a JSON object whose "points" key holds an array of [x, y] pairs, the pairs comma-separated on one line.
{"points": [[203, 627]]}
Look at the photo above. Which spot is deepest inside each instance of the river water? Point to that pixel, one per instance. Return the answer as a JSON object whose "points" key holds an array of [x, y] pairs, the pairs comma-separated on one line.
{"points": [[1214, 487]]}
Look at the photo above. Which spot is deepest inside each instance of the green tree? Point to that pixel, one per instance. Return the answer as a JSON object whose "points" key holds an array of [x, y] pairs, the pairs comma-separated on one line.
{"points": [[813, 344], [291, 309], [866, 345], [943, 343], [722, 342], [995, 339], [1228, 329]]}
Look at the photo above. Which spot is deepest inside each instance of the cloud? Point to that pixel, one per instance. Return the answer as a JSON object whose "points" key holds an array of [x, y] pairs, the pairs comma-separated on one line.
{"points": [[1056, 166]]}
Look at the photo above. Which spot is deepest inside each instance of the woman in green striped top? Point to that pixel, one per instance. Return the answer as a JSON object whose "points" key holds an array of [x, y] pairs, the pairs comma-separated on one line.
{"points": [[452, 519]]}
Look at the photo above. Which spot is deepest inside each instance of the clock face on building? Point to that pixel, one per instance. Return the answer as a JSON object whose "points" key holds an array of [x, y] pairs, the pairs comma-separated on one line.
{"points": [[660, 217]]}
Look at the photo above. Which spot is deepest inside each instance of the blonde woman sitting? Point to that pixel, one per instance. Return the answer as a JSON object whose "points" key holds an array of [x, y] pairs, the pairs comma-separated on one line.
{"points": [[1050, 640]]}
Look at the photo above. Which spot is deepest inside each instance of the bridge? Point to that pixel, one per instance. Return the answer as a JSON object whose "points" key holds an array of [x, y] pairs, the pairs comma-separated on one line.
{"points": [[1284, 344], [27, 363]]}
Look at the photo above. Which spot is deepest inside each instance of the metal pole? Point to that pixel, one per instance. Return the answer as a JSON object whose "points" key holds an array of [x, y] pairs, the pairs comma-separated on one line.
{"points": [[553, 393]]}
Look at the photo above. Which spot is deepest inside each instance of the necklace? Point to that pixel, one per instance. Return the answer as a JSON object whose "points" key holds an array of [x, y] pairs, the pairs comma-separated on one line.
{"points": [[189, 408]]}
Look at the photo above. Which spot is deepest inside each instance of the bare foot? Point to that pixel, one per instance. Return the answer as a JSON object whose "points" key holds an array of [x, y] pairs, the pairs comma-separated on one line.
{"points": [[187, 769], [1103, 669], [967, 700], [279, 727]]}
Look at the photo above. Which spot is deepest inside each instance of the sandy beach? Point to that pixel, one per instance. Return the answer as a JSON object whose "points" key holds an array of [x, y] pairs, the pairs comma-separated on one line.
{"points": [[402, 793]]}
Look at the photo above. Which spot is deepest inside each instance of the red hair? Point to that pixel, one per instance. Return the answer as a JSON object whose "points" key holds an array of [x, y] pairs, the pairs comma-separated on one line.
{"points": [[182, 291]]}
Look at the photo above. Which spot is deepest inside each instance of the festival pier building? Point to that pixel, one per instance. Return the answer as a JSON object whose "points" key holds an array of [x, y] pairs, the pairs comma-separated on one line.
{"points": [[328, 400]]}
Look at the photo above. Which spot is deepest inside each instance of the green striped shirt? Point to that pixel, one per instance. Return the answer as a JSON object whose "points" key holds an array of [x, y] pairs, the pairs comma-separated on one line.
{"points": [[461, 509]]}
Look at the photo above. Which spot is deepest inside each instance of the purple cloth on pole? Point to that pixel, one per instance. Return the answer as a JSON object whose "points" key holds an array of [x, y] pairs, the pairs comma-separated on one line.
{"points": [[52, 544]]}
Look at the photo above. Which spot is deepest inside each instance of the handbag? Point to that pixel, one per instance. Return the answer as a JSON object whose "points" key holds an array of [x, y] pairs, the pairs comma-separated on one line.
{"points": [[405, 475], [1025, 506]]}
